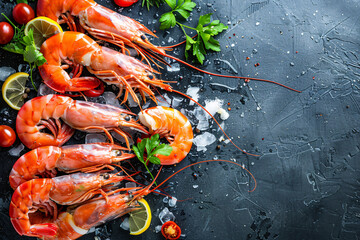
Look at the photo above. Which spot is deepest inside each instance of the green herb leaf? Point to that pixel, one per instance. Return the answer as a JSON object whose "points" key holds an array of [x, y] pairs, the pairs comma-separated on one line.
{"points": [[167, 20], [21, 1], [163, 149], [138, 153], [152, 146], [205, 41], [171, 3], [154, 160]]}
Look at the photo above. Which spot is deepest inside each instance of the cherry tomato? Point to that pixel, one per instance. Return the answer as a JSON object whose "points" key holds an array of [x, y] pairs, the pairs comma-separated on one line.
{"points": [[23, 13], [6, 32], [170, 230], [7, 136], [95, 92], [125, 3]]}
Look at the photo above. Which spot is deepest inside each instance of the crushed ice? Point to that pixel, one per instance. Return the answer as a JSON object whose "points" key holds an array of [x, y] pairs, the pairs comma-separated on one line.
{"points": [[165, 215], [193, 92], [5, 72], [110, 98], [94, 138], [45, 90], [203, 140], [125, 224], [175, 67], [15, 151]]}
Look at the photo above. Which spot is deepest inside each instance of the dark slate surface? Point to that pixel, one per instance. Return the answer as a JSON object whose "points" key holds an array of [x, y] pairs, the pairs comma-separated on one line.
{"points": [[308, 173]]}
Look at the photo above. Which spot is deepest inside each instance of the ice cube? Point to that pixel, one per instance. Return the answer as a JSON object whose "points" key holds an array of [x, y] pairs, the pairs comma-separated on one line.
{"points": [[213, 105], [121, 138], [203, 140], [15, 151], [125, 224], [176, 102], [158, 228], [172, 201], [94, 138], [175, 67], [45, 90], [131, 101], [5, 72], [202, 117], [193, 92], [110, 98], [223, 114], [166, 200], [165, 215], [130, 185], [24, 68], [163, 100], [195, 186]]}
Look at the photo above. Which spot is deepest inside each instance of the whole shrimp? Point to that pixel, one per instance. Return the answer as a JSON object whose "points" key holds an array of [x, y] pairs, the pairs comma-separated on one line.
{"points": [[100, 22], [41, 195], [112, 67], [105, 24], [77, 221], [174, 126], [45, 161], [45, 112]]}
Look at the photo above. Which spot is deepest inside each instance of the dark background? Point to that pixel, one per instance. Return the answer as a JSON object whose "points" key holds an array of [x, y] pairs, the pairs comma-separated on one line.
{"points": [[308, 173]]}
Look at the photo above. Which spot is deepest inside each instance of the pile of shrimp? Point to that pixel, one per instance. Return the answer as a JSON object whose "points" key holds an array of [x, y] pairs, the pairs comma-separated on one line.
{"points": [[92, 184], [93, 193]]}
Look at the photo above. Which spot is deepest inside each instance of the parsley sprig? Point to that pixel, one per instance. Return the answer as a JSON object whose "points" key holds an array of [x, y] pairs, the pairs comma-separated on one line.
{"points": [[25, 45], [206, 30], [150, 3], [152, 147], [182, 7]]}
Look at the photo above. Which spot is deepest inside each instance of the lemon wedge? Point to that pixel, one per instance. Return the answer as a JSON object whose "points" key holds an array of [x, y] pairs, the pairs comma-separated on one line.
{"points": [[43, 28], [13, 89], [140, 220]]}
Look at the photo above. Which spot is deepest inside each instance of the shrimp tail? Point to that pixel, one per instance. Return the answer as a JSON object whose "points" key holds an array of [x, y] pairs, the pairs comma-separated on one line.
{"points": [[44, 229]]}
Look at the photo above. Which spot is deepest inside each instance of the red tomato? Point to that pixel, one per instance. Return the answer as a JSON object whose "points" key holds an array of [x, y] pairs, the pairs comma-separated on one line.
{"points": [[6, 32], [125, 3], [23, 13], [170, 230], [95, 92], [7, 136]]}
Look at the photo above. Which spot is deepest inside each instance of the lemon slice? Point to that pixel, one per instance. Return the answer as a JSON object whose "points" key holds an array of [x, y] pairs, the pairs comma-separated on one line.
{"points": [[43, 28], [13, 89], [140, 220]]}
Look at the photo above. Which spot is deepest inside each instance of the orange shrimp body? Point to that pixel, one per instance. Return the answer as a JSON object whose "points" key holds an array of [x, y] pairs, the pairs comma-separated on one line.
{"points": [[45, 161], [109, 65], [46, 111], [99, 21], [41, 194], [74, 223], [174, 126]]}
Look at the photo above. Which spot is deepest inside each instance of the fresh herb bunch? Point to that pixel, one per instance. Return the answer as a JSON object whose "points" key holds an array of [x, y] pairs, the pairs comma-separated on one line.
{"points": [[205, 29], [152, 146], [150, 3], [182, 7], [25, 45]]}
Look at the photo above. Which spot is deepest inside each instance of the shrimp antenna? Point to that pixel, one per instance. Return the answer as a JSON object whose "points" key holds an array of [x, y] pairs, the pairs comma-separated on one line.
{"points": [[228, 76], [183, 94], [193, 164]]}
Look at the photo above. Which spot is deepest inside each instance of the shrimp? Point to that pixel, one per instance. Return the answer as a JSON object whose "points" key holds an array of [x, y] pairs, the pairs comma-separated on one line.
{"points": [[77, 220], [100, 22], [46, 111], [45, 161], [174, 126], [41, 195], [105, 24], [74, 223], [106, 64]]}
